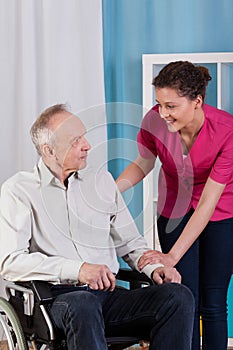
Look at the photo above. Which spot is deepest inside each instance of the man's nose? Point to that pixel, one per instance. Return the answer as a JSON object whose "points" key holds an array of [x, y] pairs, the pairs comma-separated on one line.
{"points": [[86, 144]]}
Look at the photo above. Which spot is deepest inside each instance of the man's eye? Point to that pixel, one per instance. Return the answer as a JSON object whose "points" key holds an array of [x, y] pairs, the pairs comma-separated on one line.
{"points": [[170, 107], [75, 142]]}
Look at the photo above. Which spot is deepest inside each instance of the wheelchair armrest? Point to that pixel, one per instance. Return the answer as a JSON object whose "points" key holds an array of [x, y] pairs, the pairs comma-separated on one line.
{"points": [[34, 295], [136, 279], [12, 288], [41, 290]]}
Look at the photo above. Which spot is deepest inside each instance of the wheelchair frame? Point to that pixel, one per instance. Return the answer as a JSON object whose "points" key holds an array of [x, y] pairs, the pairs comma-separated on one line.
{"points": [[25, 319]]}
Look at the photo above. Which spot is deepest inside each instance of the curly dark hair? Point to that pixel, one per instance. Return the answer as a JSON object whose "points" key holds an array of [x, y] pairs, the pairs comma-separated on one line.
{"points": [[186, 78]]}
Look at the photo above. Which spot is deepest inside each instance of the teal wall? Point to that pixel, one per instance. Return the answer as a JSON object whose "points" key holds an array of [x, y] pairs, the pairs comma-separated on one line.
{"points": [[230, 309], [135, 27]]}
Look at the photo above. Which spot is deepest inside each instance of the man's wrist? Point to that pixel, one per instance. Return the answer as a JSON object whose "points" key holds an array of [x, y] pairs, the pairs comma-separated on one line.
{"points": [[152, 273], [150, 268]]}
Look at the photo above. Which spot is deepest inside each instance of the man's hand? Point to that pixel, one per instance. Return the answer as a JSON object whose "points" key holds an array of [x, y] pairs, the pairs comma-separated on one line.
{"points": [[155, 257], [166, 274], [97, 276]]}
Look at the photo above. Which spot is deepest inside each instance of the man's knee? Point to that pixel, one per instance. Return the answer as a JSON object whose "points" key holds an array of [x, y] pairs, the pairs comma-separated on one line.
{"points": [[182, 297], [175, 296]]}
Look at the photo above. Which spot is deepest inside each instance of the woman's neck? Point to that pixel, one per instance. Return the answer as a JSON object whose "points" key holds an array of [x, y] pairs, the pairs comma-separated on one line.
{"points": [[189, 134]]}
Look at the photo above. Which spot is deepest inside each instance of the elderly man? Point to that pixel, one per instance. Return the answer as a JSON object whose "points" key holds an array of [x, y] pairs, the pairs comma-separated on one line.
{"points": [[67, 226]]}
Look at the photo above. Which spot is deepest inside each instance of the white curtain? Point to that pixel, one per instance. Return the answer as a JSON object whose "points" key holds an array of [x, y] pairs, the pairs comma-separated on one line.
{"points": [[51, 52]]}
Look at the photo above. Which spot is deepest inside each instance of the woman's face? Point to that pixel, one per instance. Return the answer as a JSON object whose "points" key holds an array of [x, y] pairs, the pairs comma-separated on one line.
{"points": [[178, 112]]}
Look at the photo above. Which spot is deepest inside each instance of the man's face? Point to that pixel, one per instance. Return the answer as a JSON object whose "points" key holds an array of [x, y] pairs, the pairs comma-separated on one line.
{"points": [[70, 146]]}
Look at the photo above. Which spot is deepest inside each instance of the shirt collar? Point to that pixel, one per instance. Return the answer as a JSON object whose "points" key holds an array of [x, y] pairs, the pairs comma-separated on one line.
{"points": [[46, 176]]}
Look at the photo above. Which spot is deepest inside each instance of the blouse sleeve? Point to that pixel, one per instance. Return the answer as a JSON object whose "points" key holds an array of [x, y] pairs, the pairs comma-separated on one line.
{"points": [[146, 137], [222, 170]]}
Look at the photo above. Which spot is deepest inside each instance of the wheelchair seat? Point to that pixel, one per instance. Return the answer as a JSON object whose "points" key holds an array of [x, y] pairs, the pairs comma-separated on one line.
{"points": [[26, 321]]}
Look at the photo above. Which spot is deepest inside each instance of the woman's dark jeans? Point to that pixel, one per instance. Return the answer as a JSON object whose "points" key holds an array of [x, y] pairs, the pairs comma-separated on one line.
{"points": [[163, 314], [206, 269]]}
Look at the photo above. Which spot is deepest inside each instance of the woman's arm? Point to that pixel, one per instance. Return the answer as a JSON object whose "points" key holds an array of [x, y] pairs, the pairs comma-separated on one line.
{"points": [[200, 218], [196, 224], [134, 173]]}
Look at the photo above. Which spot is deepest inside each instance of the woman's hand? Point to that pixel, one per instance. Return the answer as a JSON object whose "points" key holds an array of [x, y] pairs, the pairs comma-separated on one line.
{"points": [[155, 257]]}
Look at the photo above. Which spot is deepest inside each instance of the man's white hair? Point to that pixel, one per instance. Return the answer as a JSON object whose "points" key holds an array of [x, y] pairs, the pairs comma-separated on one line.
{"points": [[41, 133]]}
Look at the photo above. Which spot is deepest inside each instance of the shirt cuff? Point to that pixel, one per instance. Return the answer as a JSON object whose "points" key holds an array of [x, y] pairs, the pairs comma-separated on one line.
{"points": [[70, 270], [148, 269]]}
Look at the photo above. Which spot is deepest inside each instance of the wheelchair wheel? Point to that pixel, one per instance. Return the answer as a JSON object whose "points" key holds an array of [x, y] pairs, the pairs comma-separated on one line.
{"points": [[12, 336]]}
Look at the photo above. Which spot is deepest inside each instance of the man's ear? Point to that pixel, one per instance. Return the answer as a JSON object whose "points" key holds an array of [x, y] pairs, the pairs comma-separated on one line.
{"points": [[48, 151]]}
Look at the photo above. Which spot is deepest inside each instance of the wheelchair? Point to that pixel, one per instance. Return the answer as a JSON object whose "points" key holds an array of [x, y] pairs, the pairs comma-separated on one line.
{"points": [[25, 320]]}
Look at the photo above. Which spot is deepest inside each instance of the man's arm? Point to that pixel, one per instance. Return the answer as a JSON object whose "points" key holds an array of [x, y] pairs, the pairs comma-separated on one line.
{"points": [[17, 262], [131, 246]]}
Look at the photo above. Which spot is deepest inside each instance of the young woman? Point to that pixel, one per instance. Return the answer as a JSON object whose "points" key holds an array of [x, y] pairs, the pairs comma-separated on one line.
{"points": [[194, 143]]}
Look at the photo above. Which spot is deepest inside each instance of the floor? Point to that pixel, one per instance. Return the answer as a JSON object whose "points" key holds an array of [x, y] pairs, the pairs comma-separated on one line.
{"points": [[145, 347], [140, 348], [4, 346]]}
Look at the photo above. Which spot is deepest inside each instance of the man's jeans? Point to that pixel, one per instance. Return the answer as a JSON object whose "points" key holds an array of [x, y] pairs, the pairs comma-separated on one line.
{"points": [[163, 314]]}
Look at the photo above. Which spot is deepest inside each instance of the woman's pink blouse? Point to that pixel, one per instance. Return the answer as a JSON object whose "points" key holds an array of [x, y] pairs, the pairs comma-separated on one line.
{"points": [[182, 178]]}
